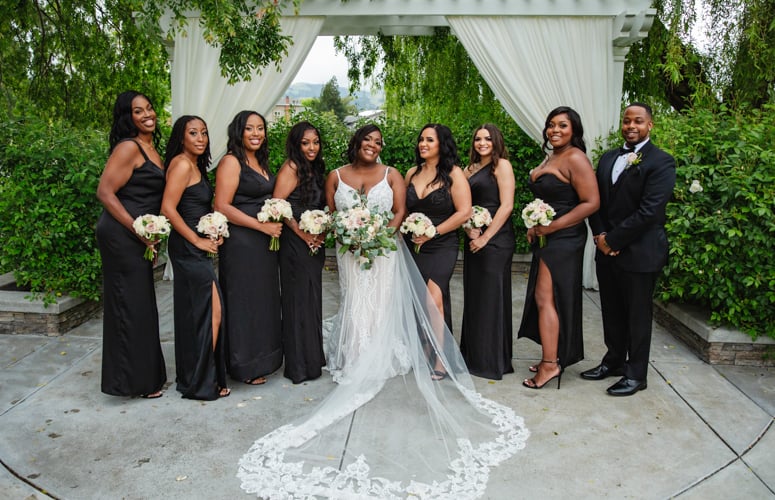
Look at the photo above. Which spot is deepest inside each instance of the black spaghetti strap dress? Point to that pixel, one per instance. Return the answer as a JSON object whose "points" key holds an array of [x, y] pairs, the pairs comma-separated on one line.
{"points": [[132, 360]]}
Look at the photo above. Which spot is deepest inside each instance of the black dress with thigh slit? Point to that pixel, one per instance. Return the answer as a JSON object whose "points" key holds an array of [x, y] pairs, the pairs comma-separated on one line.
{"points": [[201, 372], [486, 334], [563, 254], [132, 360]]}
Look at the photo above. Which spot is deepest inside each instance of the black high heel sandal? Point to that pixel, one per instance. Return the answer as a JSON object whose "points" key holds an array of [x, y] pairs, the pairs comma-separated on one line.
{"points": [[533, 380]]}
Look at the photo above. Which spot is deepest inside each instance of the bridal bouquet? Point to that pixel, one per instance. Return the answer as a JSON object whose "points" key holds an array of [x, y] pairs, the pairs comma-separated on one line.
{"points": [[315, 222], [364, 233], [275, 210], [154, 228], [418, 224], [538, 212], [214, 225], [480, 218]]}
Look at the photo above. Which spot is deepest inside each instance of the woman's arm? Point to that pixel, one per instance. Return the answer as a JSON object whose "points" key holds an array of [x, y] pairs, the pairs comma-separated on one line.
{"points": [[179, 176], [226, 182], [504, 176], [124, 159], [332, 182], [398, 186]]}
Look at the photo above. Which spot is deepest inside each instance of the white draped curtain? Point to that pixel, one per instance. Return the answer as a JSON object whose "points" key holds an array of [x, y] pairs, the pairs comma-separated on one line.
{"points": [[535, 64], [199, 89]]}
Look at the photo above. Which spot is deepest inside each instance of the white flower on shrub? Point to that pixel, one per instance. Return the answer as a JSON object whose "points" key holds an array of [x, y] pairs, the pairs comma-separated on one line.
{"points": [[696, 187]]}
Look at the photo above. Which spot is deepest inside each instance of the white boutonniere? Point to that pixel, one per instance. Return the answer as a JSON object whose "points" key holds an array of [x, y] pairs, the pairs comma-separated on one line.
{"points": [[633, 159]]}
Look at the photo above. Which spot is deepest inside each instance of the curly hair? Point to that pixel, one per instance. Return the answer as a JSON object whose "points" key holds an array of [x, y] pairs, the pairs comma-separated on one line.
{"points": [[577, 129], [310, 173], [351, 154], [448, 156], [499, 149], [236, 147], [175, 145], [123, 125]]}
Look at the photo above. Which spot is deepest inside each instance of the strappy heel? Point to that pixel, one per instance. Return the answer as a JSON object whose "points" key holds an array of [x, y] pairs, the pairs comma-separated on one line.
{"points": [[528, 381]]}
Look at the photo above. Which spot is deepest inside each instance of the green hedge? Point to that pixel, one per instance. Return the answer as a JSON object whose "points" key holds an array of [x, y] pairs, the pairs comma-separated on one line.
{"points": [[722, 239], [48, 178]]}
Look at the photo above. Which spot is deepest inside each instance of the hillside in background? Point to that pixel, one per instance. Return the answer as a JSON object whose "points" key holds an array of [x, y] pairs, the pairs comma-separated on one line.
{"points": [[363, 99]]}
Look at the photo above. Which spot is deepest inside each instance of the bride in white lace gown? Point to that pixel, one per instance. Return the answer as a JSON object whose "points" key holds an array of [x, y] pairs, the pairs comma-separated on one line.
{"points": [[404, 434]]}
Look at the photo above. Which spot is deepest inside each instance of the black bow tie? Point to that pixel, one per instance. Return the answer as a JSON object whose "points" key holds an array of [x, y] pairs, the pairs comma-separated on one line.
{"points": [[624, 151]]}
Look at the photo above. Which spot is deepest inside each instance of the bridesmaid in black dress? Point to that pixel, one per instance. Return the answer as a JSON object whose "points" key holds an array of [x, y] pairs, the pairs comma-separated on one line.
{"points": [[566, 181], [131, 185], [437, 188], [249, 272], [199, 354], [300, 181], [486, 335]]}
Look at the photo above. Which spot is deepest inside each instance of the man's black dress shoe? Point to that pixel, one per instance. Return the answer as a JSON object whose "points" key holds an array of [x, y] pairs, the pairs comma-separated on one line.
{"points": [[600, 372], [626, 387]]}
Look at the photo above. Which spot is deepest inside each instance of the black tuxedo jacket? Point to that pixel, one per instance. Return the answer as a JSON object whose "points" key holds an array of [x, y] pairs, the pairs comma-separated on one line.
{"points": [[632, 211]]}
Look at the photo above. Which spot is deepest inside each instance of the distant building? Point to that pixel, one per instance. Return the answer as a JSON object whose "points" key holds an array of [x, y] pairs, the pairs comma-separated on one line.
{"points": [[284, 110], [366, 115]]}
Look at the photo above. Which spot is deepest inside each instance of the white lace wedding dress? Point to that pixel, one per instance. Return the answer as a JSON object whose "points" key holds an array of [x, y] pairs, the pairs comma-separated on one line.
{"points": [[387, 430]]}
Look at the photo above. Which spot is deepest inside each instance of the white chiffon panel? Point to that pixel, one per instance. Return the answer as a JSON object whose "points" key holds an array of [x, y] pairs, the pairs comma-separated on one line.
{"points": [[199, 89], [535, 64]]}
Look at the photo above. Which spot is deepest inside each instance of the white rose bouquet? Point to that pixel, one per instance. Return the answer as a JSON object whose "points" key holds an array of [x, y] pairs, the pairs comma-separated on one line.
{"points": [[418, 224], [364, 233], [538, 212], [315, 222], [214, 225], [275, 210], [481, 217], [155, 228]]}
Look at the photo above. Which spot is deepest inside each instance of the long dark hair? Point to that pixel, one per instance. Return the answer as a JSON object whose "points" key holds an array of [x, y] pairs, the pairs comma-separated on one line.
{"points": [[577, 129], [175, 145], [499, 149], [123, 126], [358, 137], [448, 156], [312, 173], [236, 147]]}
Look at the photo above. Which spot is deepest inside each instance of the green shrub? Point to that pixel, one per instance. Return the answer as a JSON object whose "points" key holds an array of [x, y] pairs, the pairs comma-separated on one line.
{"points": [[48, 178], [722, 239]]}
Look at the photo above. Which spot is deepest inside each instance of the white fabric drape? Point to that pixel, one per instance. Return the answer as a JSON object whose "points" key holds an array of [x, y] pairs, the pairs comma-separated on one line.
{"points": [[534, 64], [199, 89]]}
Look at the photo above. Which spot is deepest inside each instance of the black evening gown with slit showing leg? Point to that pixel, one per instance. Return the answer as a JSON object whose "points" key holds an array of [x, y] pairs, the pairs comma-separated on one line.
{"points": [[486, 335], [250, 279], [132, 360], [201, 372], [301, 291], [437, 257], [563, 254]]}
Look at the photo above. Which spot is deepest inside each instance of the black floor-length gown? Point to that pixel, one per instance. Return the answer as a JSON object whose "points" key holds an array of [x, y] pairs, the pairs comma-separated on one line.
{"points": [[132, 360], [250, 280], [301, 278], [563, 254], [486, 335], [437, 257], [201, 373]]}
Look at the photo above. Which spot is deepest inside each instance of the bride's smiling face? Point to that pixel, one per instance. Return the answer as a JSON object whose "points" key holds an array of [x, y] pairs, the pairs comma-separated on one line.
{"points": [[371, 147]]}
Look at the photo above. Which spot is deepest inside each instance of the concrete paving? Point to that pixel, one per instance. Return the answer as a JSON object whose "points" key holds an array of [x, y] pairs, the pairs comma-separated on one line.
{"points": [[697, 432]]}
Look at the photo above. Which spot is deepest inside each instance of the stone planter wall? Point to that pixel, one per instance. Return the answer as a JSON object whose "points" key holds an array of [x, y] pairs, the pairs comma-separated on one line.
{"points": [[714, 345]]}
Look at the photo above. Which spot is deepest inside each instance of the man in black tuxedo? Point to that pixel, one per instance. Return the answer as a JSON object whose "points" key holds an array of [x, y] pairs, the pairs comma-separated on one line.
{"points": [[635, 184]]}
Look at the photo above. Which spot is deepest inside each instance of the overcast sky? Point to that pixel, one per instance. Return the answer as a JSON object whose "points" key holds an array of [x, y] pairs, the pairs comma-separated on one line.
{"points": [[322, 63]]}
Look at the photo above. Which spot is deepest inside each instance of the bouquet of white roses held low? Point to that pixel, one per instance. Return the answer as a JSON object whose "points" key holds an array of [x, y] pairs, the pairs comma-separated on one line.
{"points": [[155, 228], [538, 212], [364, 233], [315, 222], [275, 210], [214, 225], [481, 217], [418, 224]]}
